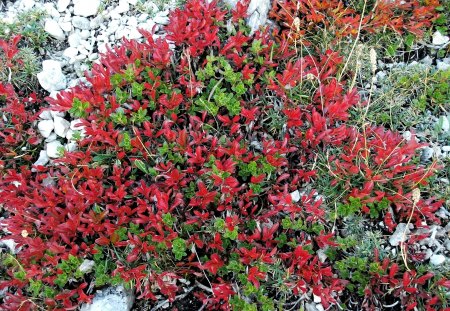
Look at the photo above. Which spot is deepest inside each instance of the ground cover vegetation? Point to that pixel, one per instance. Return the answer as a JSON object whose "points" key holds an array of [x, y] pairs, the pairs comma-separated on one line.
{"points": [[248, 165]]}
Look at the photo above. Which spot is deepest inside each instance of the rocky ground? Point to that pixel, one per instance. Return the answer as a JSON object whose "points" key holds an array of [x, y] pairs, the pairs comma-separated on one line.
{"points": [[81, 30]]}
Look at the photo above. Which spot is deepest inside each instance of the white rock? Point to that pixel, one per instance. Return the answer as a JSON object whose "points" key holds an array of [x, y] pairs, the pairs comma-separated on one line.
{"points": [[62, 5], [132, 21], [26, 5], [43, 158], [399, 235], [446, 148], [442, 66], [86, 7], [316, 299], [71, 147], [57, 113], [439, 39], [10, 244], [295, 196], [407, 135], [93, 56], [51, 10], [46, 127], [51, 77], [81, 22], [84, 34], [70, 52], [53, 29], [51, 138], [66, 26], [123, 7], [257, 13], [132, 2], [86, 266], [61, 126], [53, 149], [437, 260], [110, 299], [160, 19], [45, 115], [74, 39]]}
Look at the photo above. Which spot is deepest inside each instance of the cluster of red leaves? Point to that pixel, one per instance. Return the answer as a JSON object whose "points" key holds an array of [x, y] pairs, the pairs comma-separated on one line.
{"points": [[299, 18], [86, 202]]}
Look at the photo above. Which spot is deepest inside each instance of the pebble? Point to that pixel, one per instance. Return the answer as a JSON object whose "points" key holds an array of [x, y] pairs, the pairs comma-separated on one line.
{"points": [[427, 154], [74, 39], [86, 7], [52, 27], [399, 235], [81, 22], [295, 196], [61, 126], [43, 158], [62, 5], [437, 260], [51, 77], [439, 39], [53, 149]]}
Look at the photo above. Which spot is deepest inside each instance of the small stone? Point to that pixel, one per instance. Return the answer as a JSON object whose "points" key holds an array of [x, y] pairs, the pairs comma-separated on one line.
{"points": [[61, 126], [74, 39], [316, 299], [84, 34], [70, 52], [43, 158], [62, 5], [399, 235], [428, 253], [66, 26], [437, 260], [93, 56], [86, 266], [86, 7], [407, 135], [295, 196], [52, 27], [446, 148], [427, 154], [71, 147], [257, 13], [162, 20], [442, 66], [10, 244], [110, 299], [439, 39], [81, 22], [51, 10], [51, 77], [46, 127], [51, 138], [53, 149], [45, 115], [57, 113], [427, 60]]}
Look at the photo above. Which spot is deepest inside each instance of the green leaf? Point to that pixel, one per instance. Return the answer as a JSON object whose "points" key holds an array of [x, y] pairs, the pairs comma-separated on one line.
{"points": [[141, 166]]}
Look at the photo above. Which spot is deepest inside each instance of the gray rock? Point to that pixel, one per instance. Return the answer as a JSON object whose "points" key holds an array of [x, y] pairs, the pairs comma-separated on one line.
{"points": [[66, 26], [52, 27], [86, 266], [71, 147], [427, 154], [442, 66], [70, 52], [110, 299], [51, 77], [295, 196], [86, 7], [437, 260], [399, 235], [81, 22]]}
